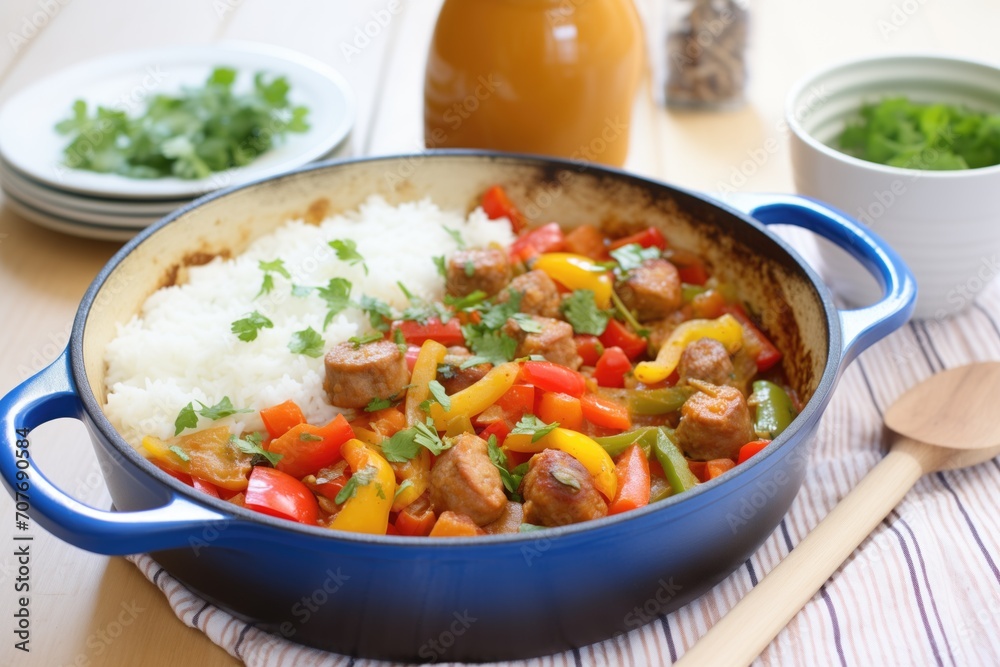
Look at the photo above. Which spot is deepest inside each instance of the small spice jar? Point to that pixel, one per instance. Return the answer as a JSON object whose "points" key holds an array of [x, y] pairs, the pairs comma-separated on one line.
{"points": [[706, 53]]}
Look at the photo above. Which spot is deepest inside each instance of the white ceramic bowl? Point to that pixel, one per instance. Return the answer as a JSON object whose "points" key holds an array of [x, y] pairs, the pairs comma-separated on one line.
{"points": [[945, 224]]}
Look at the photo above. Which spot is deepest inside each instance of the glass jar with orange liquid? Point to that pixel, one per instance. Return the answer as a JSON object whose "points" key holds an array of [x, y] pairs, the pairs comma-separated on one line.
{"points": [[556, 77]]}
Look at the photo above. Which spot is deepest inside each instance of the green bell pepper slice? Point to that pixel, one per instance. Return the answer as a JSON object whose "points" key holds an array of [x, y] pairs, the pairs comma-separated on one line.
{"points": [[674, 465], [658, 401], [774, 409]]}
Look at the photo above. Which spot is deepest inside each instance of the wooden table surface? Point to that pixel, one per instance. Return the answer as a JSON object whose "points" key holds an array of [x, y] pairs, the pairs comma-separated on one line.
{"points": [[80, 600]]}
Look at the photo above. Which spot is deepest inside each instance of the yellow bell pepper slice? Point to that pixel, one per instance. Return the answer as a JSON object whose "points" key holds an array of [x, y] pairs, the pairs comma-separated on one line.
{"points": [[591, 455], [577, 272], [424, 370], [207, 454], [474, 399], [367, 511], [726, 329], [418, 472]]}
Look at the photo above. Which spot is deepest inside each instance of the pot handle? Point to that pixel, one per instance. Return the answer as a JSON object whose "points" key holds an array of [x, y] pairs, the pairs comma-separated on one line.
{"points": [[52, 394], [860, 326]]}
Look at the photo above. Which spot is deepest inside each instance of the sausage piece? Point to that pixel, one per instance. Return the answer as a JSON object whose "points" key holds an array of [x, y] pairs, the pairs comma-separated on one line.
{"points": [[509, 522], [715, 423], [454, 378], [558, 490], [554, 341], [539, 294], [357, 374], [652, 290], [706, 359], [464, 480], [486, 269]]}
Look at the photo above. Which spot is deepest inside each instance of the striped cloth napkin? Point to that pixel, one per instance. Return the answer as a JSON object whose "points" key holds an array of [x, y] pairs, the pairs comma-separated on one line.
{"points": [[923, 589]]}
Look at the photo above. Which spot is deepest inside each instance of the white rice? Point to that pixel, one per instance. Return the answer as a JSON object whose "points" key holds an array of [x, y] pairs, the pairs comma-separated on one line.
{"points": [[180, 347]]}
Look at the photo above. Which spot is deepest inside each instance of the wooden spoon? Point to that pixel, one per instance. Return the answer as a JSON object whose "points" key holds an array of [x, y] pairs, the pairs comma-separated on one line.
{"points": [[947, 421]]}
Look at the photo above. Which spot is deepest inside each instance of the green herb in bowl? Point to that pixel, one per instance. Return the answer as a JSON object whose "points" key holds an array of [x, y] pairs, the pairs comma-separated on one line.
{"points": [[901, 133], [189, 135]]}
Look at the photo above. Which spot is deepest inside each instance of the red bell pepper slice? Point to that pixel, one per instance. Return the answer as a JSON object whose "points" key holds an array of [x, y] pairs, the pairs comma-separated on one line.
{"points": [[275, 493], [416, 520], [279, 419], [331, 480], [716, 467], [412, 352], [548, 376], [648, 238], [697, 468], [517, 401], [306, 448], [497, 204], [690, 267], [612, 367], [547, 238], [751, 448], [447, 333], [500, 428], [619, 335], [769, 355], [589, 348], [632, 470], [604, 412]]}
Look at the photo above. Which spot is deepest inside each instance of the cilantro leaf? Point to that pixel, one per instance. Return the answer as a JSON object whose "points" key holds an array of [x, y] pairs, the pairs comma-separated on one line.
{"points": [[302, 290], [378, 404], [565, 478], [246, 328], [308, 342], [440, 265], [493, 347], [467, 302], [456, 236], [361, 478], [347, 251], [379, 491], [266, 285], [440, 395], [378, 312], [499, 461], [401, 447], [250, 444], [358, 341], [420, 310], [407, 483], [582, 313], [187, 418], [337, 295], [527, 323], [223, 408], [533, 426], [470, 269], [179, 453], [427, 436], [632, 256], [276, 266], [446, 371]]}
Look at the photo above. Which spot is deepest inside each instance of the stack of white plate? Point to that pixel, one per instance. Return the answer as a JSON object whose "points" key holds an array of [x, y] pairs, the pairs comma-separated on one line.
{"points": [[38, 185]]}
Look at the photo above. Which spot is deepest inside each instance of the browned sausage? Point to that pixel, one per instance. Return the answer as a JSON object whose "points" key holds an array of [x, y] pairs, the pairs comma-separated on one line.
{"points": [[464, 480], [509, 522], [357, 374], [715, 423], [539, 294], [453, 377], [706, 359], [558, 490], [554, 341], [470, 270], [652, 291]]}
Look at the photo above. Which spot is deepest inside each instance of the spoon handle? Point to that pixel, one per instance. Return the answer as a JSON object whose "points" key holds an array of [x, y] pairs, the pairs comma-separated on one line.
{"points": [[749, 627]]}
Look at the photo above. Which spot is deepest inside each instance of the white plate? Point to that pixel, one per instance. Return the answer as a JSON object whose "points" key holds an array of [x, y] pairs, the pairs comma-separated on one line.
{"points": [[89, 217], [29, 142], [56, 223]]}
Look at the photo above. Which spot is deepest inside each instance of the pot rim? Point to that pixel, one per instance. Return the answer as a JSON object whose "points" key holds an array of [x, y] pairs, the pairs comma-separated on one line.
{"points": [[770, 454]]}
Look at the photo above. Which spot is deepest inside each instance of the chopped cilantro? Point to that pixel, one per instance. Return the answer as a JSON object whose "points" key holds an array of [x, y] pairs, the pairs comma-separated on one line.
{"points": [[305, 436], [337, 295], [628, 315], [246, 329], [467, 302], [180, 453], [378, 312], [399, 340], [358, 341], [582, 313], [632, 256], [441, 265], [379, 491], [529, 528], [378, 404], [456, 236], [308, 342], [440, 395], [493, 347], [274, 266], [302, 290], [470, 269], [527, 323], [446, 371], [361, 478], [188, 416], [401, 447], [532, 425], [420, 310], [427, 436], [510, 481], [250, 444], [566, 478], [347, 251]]}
